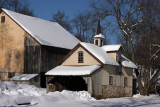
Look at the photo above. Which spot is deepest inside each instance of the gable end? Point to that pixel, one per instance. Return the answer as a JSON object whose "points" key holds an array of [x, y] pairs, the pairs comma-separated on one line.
{"points": [[76, 48], [20, 26]]}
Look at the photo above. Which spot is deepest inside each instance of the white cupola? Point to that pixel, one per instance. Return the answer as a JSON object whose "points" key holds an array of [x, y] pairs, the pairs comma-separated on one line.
{"points": [[99, 38]]}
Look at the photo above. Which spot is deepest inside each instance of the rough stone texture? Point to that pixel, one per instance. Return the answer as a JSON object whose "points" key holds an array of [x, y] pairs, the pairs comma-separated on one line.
{"points": [[50, 88], [116, 91]]}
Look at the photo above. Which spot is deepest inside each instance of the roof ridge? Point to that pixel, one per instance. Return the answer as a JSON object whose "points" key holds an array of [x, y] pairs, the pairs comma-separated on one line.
{"points": [[28, 15], [112, 45]]}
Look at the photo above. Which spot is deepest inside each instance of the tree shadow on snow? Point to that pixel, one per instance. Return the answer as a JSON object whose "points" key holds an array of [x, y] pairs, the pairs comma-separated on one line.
{"points": [[128, 102]]}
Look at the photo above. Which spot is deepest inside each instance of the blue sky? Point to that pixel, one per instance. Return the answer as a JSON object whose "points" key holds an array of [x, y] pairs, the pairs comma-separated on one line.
{"points": [[45, 8]]}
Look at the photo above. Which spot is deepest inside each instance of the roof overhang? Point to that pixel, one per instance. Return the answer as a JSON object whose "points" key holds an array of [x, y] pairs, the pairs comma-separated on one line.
{"points": [[72, 70], [23, 77]]}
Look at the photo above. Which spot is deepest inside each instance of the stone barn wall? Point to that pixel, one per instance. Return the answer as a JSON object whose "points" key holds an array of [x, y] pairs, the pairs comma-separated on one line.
{"points": [[109, 91], [11, 48]]}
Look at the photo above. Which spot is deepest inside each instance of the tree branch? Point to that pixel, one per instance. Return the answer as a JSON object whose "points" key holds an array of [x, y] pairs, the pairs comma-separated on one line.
{"points": [[128, 13]]}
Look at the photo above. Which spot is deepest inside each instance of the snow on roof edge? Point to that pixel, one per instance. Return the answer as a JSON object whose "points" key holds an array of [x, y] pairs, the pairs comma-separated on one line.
{"points": [[116, 47], [103, 60], [99, 36], [73, 70], [23, 77], [127, 63]]}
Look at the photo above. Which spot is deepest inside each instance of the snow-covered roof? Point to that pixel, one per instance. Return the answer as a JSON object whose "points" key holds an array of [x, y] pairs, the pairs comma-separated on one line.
{"points": [[24, 77], [73, 70], [45, 32], [99, 36], [108, 48], [99, 53], [127, 63]]}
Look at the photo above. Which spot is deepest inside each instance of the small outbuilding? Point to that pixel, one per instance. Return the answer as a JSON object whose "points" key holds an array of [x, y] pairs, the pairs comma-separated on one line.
{"points": [[31, 79]]}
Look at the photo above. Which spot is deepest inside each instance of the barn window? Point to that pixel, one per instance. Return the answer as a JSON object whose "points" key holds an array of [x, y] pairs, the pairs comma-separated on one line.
{"points": [[125, 81], [2, 19], [11, 74], [110, 80], [97, 42], [80, 57]]}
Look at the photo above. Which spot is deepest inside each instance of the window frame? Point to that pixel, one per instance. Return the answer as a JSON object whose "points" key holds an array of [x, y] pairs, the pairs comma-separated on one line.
{"points": [[80, 58], [3, 19], [110, 80]]}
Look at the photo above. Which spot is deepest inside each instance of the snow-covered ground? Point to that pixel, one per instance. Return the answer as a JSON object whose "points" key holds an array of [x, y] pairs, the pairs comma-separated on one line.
{"points": [[11, 95]]}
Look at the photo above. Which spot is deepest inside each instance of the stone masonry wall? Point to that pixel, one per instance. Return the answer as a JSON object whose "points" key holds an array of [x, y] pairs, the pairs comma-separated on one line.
{"points": [[109, 91]]}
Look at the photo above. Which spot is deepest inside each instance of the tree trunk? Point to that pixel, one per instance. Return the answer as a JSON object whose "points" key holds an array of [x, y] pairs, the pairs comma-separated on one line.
{"points": [[145, 90], [132, 50]]}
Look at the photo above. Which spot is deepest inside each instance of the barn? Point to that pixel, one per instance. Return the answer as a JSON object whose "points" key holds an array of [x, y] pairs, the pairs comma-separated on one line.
{"points": [[30, 45]]}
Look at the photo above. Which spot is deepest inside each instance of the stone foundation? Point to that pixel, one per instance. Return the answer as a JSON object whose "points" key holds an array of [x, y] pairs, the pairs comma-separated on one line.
{"points": [[109, 91]]}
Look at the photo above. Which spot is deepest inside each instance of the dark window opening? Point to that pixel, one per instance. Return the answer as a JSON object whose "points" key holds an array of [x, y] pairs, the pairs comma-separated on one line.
{"points": [[11, 74], [2, 19], [125, 81], [110, 80], [42, 80], [73, 83], [101, 42], [97, 42], [80, 57]]}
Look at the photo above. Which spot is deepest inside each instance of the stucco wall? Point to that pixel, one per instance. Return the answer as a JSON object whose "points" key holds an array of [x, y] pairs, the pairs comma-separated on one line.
{"points": [[12, 38], [73, 59], [100, 80], [101, 77], [128, 73], [88, 81]]}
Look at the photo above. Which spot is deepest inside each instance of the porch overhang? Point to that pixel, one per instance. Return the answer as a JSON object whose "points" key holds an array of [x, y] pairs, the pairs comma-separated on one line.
{"points": [[72, 70]]}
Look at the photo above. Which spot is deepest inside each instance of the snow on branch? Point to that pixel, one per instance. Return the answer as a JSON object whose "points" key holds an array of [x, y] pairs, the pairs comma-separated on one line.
{"points": [[130, 31], [156, 45], [134, 25], [124, 31], [154, 55], [153, 74], [123, 22]]}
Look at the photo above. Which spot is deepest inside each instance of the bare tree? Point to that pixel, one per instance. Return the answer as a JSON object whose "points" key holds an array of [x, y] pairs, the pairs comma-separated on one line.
{"points": [[124, 13], [82, 25], [85, 26], [147, 52], [62, 19], [20, 6], [129, 15]]}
